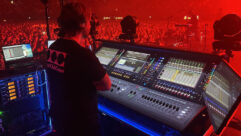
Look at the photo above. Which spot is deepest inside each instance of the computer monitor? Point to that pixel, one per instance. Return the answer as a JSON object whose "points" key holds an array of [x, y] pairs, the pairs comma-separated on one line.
{"points": [[50, 42], [105, 55], [181, 71], [132, 61], [17, 52], [222, 95]]}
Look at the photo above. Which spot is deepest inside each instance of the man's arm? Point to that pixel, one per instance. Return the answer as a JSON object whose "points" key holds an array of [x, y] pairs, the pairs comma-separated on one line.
{"points": [[96, 72], [104, 83]]}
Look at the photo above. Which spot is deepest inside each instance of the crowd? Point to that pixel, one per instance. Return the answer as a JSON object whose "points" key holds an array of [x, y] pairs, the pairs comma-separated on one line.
{"points": [[158, 34], [149, 33]]}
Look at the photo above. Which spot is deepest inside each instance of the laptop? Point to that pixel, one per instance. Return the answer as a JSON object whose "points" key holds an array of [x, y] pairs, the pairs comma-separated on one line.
{"points": [[50, 42], [16, 56]]}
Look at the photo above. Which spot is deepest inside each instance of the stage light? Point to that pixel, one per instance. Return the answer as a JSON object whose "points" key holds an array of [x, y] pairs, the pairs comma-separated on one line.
{"points": [[128, 26], [12, 2], [29, 17], [185, 17], [150, 17], [118, 18], [106, 18], [4, 20], [197, 17], [227, 33]]}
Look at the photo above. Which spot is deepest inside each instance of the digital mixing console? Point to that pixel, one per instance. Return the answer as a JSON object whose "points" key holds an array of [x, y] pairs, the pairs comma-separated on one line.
{"points": [[163, 84]]}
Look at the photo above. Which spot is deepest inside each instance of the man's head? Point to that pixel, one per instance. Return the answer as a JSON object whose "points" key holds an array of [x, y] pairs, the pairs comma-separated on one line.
{"points": [[73, 20]]}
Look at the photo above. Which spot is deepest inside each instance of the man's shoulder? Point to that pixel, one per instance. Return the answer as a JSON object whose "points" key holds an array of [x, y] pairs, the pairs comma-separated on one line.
{"points": [[63, 42], [68, 46]]}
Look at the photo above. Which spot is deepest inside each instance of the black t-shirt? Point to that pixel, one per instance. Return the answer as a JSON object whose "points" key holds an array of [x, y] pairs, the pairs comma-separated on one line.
{"points": [[71, 71]]}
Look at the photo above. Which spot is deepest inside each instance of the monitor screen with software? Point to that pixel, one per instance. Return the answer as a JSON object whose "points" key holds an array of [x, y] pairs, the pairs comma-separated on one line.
{"points": [[17, 52], [50, 42], [222, 95]]}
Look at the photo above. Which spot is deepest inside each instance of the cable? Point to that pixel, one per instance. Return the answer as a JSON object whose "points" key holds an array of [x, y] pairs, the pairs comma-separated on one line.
{"points": [[37, 76]]}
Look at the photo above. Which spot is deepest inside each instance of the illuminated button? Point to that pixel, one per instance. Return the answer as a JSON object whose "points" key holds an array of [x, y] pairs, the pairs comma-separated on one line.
{"points": [[12, 94], [32, 88], [14, 97], [11, 87], [30, 82], [32, 92], [1, 113], [10, 83], [31, 85], [188, 96], [11, 91], [179, 117], [30, 78]]}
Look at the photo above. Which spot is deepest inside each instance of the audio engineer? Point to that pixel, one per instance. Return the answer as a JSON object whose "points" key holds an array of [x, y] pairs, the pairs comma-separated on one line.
{"points": [[74, 75]]}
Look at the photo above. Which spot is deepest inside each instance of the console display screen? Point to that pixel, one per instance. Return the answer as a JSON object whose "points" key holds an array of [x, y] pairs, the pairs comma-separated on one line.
{"points": [[182, 72], [17, 52], [218, 88], [132, 61], [221, 92], [105, 55]]}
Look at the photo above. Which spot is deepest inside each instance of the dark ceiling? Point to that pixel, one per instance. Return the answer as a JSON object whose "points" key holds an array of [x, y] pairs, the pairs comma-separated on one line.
{"points": [[158, 9], [23, 9]]}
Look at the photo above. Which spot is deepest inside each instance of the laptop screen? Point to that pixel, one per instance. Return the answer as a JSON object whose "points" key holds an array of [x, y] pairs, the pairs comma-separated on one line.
{"points": [[17, 52], [50, 42]]}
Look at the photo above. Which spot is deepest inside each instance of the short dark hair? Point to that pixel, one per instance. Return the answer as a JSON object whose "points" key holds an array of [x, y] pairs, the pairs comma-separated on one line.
{"points": [[71, 17]]}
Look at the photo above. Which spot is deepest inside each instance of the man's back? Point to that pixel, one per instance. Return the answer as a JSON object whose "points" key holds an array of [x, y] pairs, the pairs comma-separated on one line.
{"points": [[72, 70]]}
